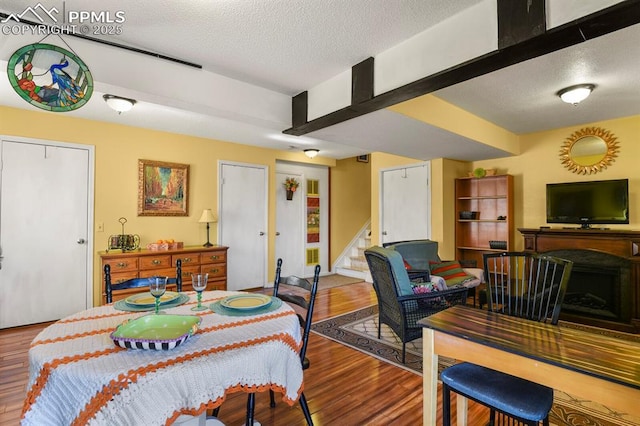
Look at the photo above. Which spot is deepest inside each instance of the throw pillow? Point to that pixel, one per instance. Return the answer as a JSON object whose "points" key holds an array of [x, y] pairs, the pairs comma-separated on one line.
{"points": [[451, 271], [406, 265], [421, 288]]}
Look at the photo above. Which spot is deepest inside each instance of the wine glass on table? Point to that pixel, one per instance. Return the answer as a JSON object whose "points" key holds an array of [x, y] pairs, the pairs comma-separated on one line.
{"points": [[157, 287], [199, 284]]}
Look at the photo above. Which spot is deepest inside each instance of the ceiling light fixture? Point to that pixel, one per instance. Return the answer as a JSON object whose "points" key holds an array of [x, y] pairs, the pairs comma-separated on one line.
{"points": [[576, 94], [312, 152], [118, 103]]}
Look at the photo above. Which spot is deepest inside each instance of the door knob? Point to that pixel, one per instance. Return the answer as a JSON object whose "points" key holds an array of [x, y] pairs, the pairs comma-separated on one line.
{"points": [[261, 234], [81, 241]]}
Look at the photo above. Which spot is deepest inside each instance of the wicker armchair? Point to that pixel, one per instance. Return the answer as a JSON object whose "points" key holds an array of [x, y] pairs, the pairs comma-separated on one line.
{"points": [[398, 306]]}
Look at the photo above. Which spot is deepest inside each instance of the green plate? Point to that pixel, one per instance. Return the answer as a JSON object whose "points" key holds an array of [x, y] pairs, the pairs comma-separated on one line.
{"points": [[155, 332], [146, 299], [246, 302], [122, 304], [218, 308]]}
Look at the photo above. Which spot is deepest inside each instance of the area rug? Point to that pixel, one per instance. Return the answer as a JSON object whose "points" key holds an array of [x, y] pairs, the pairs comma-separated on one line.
{"points": [[359, 330], [335, 280]]}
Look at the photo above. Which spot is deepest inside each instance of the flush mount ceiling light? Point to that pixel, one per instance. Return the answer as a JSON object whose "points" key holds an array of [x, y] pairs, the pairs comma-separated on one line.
{"points": [[576, 94], [312, 152], [118, 103]]}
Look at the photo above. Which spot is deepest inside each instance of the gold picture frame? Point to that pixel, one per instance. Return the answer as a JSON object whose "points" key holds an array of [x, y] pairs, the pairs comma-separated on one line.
{"points": [[589, 150], [163, 188]]}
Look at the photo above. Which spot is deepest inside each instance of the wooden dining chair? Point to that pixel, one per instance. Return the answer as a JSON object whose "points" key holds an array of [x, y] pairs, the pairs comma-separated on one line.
{"points": [[300, 294], [524, 285], [137, 282]]}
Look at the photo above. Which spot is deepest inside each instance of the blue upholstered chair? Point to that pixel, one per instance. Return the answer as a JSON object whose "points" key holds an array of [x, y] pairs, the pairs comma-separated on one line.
{"points": [[421, 254], [524, 285], [398, 306]]}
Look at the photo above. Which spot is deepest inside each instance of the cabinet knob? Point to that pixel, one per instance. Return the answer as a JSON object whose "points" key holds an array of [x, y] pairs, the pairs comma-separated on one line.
{"points": [[186, 260], [121, 264], [156, 262], [213, 257]]}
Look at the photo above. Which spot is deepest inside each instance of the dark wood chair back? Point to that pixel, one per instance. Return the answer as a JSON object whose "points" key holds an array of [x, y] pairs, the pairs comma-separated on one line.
{"points": [[137, 282], [301, 293], [526, 285]]}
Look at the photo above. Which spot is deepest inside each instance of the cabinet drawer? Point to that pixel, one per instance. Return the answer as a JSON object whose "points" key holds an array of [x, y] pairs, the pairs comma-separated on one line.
{"points": [[121, 265], [119, 277], [167, 272], [187, 271], [214, 270], [217, 285], [187, 259], [155, 262], [213, 257]]}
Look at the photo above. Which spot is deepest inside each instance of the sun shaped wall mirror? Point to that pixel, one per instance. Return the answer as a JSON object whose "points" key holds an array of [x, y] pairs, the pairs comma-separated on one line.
{"points": [[589, 150]]}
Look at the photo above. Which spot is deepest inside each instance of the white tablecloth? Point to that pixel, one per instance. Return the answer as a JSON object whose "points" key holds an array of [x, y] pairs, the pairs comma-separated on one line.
{"points": [[78, 376]]}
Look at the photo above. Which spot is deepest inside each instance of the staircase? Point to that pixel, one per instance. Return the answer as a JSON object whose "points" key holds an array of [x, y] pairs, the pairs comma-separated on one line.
{"points": [[352, 262]]}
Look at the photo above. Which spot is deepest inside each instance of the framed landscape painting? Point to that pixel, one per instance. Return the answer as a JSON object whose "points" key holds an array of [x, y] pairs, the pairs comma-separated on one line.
{"points": [[163, 188]]}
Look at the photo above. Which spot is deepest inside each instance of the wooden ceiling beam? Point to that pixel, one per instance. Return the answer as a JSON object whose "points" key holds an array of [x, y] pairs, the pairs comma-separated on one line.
{"points": [[614, 18]]}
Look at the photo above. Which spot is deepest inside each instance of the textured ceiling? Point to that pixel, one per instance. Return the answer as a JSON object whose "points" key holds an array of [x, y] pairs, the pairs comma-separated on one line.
{"points": [[284, 45], [273, 49]]}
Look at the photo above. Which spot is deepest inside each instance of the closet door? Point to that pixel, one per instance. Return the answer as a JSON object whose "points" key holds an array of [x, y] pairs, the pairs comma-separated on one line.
{"points": [[405, 203], [243, 223], [44, 232]]}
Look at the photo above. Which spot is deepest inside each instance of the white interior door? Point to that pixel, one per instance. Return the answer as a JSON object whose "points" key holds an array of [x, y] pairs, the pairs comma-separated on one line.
{"points": [[243, 223], [44, 229], [290, 231], [405, 203]]}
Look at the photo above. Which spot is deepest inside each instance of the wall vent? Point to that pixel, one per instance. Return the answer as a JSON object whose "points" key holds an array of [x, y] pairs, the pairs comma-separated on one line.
{"points": [[313, 256], [313, 187]]}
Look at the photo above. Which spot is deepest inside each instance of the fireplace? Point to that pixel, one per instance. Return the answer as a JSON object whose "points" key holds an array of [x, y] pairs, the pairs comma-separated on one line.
{"points": [[604, 287], [599, 286]]}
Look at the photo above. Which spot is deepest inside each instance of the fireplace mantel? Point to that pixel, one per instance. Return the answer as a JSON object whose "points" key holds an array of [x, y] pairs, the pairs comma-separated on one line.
{"points": [[624, 244]]}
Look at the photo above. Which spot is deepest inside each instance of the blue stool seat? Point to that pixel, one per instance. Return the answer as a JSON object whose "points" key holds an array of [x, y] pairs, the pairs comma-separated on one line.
{"points": [[509, 394]]}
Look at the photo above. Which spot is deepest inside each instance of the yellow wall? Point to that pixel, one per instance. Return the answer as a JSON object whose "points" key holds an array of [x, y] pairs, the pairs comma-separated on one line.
{"points": [[117, 151], [350, 201], [435, 111], [354, 186], [540, 164]]}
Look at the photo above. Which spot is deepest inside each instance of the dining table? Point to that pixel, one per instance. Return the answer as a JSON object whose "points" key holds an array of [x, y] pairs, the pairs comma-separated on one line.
{"points": [[586, 362], [83, 371]]}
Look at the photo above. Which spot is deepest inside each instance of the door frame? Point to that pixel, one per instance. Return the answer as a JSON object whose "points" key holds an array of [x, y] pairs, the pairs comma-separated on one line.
{"points": [[381, 172], [90, 198], [265, 168]]}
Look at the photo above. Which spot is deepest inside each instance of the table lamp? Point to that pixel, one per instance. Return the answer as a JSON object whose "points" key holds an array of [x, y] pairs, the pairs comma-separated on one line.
{"points": [[207, 217]]}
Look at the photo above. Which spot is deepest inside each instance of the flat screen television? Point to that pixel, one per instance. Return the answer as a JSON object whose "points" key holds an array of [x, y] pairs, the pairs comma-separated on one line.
{"points": [[603, 202]]}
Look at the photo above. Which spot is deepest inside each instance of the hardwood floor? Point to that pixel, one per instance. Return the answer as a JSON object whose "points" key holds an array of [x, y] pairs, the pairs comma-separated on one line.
{"points": [[343, 386]]}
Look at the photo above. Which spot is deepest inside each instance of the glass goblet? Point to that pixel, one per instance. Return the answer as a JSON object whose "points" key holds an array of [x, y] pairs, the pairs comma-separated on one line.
{"points": [[199, 284], [157, 287]]}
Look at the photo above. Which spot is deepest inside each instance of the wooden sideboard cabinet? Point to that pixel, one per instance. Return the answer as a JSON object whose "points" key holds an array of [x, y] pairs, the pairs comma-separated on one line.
{"points": [[147, 263]]}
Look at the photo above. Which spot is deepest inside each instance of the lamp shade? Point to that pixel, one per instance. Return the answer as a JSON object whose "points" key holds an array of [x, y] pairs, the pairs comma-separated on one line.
{"points": [[207, 217], [312, 152], [119, 104], [576, 94]]}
